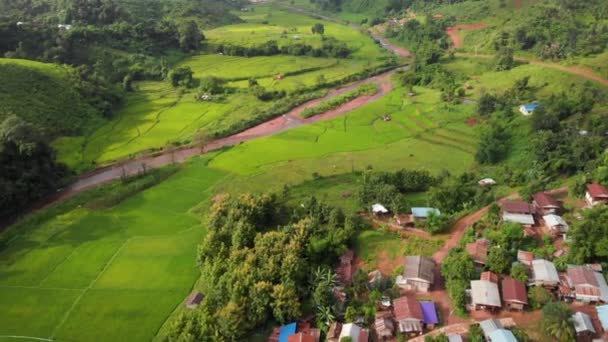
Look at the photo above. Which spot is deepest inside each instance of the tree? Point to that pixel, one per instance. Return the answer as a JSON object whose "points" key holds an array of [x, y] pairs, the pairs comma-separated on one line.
{"points": [[285, 304], [519, 271], [538, 296], [190, 36], [318, 28], [486, 104], [181, 76], [504, 59], [493, 144], [557, 322], [211, 85], [436, 224], [499, 260], [589, 237]]}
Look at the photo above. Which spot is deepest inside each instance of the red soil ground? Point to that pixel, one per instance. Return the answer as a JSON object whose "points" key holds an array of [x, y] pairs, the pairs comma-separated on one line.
{"points": [[453, 32]]}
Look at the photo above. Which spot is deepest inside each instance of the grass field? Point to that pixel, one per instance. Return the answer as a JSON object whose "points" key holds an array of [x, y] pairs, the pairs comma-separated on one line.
{"points": [[157, 115], [111, 274]]}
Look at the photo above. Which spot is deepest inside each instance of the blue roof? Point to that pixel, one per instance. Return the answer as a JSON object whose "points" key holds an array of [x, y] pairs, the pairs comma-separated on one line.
{"points": [[530, 107], [502, 335], [286, 330], [429, 313], [424, 212], [602, 313]]}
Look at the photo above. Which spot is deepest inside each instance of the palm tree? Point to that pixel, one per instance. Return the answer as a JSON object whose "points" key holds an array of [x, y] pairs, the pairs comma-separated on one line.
{"points": [[557, 322]]}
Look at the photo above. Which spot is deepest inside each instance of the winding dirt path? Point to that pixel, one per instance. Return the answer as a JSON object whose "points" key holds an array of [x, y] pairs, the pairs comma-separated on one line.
{"points": [[454, 34]]}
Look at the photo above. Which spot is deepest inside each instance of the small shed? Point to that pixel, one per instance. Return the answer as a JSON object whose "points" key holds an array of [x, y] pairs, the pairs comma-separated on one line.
{"points": [[194, 300], [489, 276], [379, 209], [489, 326], [583, 326], [487, 182], [485, 295], [528, 109], [429, 314], [350, 330], [556, 224], [424, 212], [385, 328], [514, 294], [544, 274], [454, 338]]}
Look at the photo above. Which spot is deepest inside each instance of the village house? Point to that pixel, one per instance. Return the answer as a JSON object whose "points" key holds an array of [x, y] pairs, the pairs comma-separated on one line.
{"points": [[514, 294], [485, 295], [408, 315], [385, 328], [494, 331], [489, 276], [418, 274], [589, 286], [478, 251], [194, 300], [596, 194], [489, 326], [525, 257], [583, 326], [545, 204], [556, 224], [518, 212], [544, 274], [301, 337], [422, 213], [528, 109]]}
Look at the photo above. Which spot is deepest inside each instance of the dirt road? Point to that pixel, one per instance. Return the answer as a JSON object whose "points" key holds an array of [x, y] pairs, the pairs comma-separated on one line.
{"points": [[453, 32]]}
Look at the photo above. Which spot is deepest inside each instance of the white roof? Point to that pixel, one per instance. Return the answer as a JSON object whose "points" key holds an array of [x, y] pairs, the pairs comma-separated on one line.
{"points": [[485, 292], [489, 325], [518, 218], [379, 208], [544, 270], [601, 281], [454, 338], [487, 181], [554, 220], [582, 322], [350, 330]]}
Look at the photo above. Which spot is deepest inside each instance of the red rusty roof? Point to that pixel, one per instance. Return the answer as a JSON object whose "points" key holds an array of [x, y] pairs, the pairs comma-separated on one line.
{"points": [[478, 250], [407, 308], [300, 337], [544, 200], [489, 276], [581, 275], [597, 190], [517, 207], [514, 291]]}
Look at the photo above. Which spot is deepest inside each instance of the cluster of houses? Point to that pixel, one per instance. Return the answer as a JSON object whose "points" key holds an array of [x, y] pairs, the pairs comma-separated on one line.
{"points": [[417, 214], [544, 208], [295, 332]]}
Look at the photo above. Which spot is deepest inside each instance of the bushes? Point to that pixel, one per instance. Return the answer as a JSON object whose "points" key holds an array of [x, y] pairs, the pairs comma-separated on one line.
{"points": [[366, 89], [330, 47]]}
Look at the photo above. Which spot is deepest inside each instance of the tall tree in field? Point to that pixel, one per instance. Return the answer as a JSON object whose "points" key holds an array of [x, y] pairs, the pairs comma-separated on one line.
{"points": [[190, 36], [318, 28]]}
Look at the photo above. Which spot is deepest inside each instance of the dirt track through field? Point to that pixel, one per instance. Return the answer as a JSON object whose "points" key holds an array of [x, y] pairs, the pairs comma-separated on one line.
{"points": [[453, 32]]}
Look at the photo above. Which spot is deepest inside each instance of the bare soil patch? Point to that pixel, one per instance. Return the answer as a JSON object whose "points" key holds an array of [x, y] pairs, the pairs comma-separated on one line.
{"points": [[453, 32]]}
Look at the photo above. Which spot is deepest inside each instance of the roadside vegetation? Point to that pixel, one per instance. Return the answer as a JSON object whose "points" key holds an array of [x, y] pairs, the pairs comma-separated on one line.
{"points": [[364, 90]]}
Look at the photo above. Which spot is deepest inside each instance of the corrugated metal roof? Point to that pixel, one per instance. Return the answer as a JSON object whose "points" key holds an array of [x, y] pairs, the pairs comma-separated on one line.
{"points": [[555, 220], [517, 207], [603, 286], [544, 270], [602, 313], [502, 335], [544, 200], [407, 308], [478, 250], [526, 219], [454, 338], [379, 209], [286, 330], [350, 330], [490, 325], [582, 322], [597, 190], [485, 292], [419, 267], [424, 212], [581, 275], [514, 290]]}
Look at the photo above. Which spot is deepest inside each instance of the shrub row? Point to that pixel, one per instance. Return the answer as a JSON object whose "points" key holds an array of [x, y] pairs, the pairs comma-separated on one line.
{"points": [[366, 89]]}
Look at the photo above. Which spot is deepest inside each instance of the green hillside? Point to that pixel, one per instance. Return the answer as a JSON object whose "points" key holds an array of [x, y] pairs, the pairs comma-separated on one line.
{"points": [[43, 94]]}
